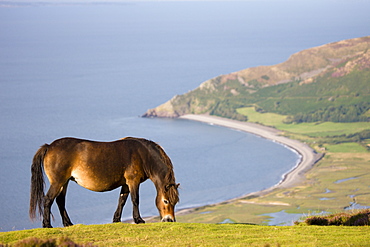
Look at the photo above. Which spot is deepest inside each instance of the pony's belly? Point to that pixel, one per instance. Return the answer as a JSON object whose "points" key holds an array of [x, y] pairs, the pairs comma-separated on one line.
{"points": [[95, 183]]}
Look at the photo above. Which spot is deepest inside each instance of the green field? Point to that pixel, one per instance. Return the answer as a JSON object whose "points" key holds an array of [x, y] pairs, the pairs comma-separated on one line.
{"points": [[346, 148], [310, 129], [182, 234]]}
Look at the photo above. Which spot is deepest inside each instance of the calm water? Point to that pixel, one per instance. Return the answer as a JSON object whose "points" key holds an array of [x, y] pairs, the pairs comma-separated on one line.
{"points": [[89, 71]]}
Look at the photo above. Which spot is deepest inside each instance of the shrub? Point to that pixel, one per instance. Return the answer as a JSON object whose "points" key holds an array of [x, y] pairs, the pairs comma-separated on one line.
{"points": [[340, 219], [317, 220], [358, 218], [36, 242]]}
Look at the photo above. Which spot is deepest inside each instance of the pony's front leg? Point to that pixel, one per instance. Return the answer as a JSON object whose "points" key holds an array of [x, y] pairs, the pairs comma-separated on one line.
{"points": [[121, 203], [134, 190]]}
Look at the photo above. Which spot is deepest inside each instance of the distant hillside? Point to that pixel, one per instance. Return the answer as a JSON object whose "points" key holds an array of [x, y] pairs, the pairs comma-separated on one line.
{"points": [[326, 83]]}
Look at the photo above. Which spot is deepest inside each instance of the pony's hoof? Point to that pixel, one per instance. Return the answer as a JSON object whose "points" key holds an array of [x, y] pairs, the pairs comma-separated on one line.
{"points": [[47, 226], [139, 221]]}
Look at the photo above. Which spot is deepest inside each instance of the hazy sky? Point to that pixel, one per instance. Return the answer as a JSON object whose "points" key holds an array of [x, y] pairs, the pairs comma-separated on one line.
{"points": [[87, 1], [5, 3]]}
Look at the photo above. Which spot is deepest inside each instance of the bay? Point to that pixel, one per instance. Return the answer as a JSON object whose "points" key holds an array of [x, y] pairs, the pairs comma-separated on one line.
{"points": [[89, 71]]}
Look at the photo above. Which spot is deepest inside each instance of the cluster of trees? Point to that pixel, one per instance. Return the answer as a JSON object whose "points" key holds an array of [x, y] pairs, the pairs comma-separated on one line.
{"points": [[359, 137], [227, 109], [343, 113]]}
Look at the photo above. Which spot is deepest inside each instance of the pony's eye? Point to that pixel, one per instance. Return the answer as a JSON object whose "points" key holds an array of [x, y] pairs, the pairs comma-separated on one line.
{"points": [[166, 201]]}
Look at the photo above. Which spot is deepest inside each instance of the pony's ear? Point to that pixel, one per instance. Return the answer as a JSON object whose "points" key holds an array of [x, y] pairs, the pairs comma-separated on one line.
{"points": [[167, 187]]}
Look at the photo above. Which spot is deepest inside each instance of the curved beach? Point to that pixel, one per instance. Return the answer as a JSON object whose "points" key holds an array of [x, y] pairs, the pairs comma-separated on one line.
{"points": [[308, 156]]}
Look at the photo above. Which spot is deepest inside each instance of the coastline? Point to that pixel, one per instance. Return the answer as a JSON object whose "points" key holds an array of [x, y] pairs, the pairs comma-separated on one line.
{"points": [[308, 157]]}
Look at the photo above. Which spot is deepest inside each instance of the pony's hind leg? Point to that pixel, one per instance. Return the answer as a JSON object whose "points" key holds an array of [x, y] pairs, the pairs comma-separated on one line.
{"points": [[53, 191], [61, 202], [121, 203]]}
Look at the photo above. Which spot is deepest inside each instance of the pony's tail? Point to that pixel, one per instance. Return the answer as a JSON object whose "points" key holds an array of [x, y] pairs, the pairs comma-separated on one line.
{"points": [[37, 183]]}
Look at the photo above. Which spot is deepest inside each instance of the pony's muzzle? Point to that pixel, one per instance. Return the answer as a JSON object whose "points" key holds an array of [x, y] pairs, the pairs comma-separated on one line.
{"points": [[168, 218]]}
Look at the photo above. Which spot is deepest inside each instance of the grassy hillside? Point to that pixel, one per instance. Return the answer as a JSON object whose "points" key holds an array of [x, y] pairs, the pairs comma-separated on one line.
{"points": [[181, 234], [326, 83]]}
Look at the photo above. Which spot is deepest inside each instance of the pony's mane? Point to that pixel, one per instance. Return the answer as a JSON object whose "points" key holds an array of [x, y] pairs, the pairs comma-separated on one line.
{"points": [[169, 178]]}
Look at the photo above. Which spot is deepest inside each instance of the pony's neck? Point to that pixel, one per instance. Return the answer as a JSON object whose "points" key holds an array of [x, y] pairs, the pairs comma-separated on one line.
{"points": [[158, 180]]}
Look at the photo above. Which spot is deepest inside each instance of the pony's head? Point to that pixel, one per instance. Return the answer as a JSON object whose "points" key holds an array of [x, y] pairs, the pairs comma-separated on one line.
{"points": [[166, 201], [160, 171]]}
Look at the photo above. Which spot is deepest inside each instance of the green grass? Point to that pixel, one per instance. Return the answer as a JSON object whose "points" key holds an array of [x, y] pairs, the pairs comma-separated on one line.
{"points": [[181, 234], [269, 119], [325, 129], [309, 129], [346, 148]]}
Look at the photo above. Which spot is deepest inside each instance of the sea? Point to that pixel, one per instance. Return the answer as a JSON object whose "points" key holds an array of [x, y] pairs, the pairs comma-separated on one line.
{"points": [[91, 69]]}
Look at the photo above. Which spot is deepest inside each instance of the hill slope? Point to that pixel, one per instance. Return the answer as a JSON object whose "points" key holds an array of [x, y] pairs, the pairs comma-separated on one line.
{"points": [[179, 234], [325, 83]]}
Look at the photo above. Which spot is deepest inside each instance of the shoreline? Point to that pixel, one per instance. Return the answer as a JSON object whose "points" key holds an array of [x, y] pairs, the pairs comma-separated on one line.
{"points": [[308, 156]]}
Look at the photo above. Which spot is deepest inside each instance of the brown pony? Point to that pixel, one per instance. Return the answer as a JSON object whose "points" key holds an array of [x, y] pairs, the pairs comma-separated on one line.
{"points": [[102, 166]]}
